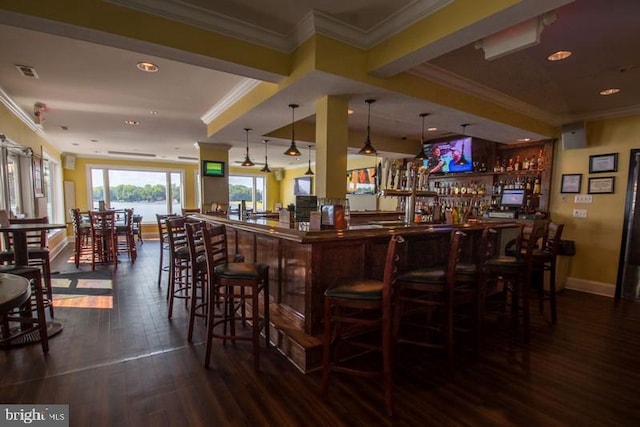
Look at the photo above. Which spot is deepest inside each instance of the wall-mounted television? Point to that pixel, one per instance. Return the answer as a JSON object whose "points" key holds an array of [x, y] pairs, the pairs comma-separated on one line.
{"points": [[512, 198], [449, 156], [303, 186], [212, 168], [361, 181]]}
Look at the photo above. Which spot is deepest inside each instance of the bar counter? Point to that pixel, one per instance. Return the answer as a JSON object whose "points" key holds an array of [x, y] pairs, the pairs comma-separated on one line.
{"points": [[303, 263]]}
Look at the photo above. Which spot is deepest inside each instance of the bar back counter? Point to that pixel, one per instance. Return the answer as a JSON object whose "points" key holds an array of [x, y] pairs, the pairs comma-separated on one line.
{"points": [[304, 263]]}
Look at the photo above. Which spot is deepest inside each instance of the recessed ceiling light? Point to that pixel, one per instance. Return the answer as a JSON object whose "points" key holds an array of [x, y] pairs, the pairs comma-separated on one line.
{"points": [[524, 139], [432, 129], [350, 111], [147, 67], [153, 112], [610, 91], [559, 55], [93, 140], [132, 122], [64, 128]]}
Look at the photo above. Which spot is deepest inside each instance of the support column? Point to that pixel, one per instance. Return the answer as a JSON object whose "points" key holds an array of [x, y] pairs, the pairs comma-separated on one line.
{"points": [[332, 137], [214, 190]]}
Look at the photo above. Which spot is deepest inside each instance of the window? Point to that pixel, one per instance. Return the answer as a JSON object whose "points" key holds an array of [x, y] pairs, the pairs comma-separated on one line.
{"points": [[52, 181], [147, 191], [249, 188]]}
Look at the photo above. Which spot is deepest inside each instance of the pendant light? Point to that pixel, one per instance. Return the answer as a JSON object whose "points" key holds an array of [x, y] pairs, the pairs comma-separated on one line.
{"points": [[293, 150], [463, 160], [309, 171], [368, 148], [266, 163], [421, 154], [247, 160]]}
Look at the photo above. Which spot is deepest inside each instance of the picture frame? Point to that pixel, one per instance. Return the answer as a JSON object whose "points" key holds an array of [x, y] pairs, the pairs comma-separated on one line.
{"points": [[571, 183], [36, 168], [602, 163], [603, 185]]}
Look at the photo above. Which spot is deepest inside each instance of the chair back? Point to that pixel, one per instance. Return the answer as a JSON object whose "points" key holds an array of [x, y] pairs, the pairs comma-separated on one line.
{"points": [[214, 238], [163, 234], [552, 238], [455, 248], [35, 239], [194, 240], [176, 232], [392, 268], [529, 245], [102, 222]]}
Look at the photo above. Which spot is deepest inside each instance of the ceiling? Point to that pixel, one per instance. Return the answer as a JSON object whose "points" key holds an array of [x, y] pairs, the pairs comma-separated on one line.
{"points": [[91, 86]]}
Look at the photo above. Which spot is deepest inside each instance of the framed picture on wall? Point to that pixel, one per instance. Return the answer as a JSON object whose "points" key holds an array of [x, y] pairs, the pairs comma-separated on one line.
{"points": [[36, 168], [604, 185], [571, 183], [603, 163]]}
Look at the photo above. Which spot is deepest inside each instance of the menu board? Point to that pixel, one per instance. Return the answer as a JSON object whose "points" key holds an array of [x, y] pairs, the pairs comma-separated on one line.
{"points": [[305, 205]]}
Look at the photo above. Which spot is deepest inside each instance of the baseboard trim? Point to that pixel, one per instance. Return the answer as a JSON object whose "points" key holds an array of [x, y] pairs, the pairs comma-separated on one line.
{"points": [[591, 287]]}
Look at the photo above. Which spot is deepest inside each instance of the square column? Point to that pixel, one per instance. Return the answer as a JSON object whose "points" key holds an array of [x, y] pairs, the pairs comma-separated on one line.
{"points": [[332, 137]]}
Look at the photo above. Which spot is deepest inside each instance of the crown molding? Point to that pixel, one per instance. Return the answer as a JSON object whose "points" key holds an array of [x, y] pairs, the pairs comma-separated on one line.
{"points": [[235, 94], [8, 102]]}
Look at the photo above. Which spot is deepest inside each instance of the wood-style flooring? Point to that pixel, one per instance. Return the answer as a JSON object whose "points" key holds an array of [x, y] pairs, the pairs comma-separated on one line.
{"points": [[131, 366]]}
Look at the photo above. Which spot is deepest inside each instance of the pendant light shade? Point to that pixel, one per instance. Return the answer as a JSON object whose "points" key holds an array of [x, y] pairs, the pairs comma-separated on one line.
{"points": [[266, 163], [421, 154], [247, 160], [368, 148], [293, 150], [309, 171]]}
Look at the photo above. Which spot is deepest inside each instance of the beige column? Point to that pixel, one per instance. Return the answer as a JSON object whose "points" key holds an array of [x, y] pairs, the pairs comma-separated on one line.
{"points": [[214, 189], [332, 137]]}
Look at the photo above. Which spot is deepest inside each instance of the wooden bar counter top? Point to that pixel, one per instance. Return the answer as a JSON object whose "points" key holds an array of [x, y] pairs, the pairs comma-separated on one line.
{"points": [[304, 263]]}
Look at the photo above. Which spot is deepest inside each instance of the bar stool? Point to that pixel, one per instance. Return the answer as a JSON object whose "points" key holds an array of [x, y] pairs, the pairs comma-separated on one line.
{"points": [[104, 245], [18, 300], [81, 236], [236, 283], [354, 308], [125, 242], [199, 277], [426, 298], [544, 259], [179, 262], [164, 244], [515, 274]]}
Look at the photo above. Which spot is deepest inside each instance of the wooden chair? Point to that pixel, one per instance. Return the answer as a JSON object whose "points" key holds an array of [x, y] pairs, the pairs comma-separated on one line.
{"points": [[104, 245], [545, 259], [125, 240], [425, 303], [179, 262], [199, 276], [164, 244], [38, 254], [81, 236], [515, 272], [18, 303], [236, 284], [136, 227], [354, 308]]}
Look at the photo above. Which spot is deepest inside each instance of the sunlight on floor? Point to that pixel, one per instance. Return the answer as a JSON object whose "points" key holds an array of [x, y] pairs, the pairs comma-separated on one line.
{"points": [[83, 301]]}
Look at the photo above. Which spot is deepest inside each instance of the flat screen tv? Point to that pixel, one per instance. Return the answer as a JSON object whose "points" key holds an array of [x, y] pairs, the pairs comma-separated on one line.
{"points": [[451, 156], [212, 168], [361, 181], [302, 186], [512, 198]]}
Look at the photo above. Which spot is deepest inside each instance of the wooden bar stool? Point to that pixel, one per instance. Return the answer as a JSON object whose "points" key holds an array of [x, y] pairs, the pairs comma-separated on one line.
{"points": [[164, 244], [545, 259], [353, 309], [199, 277], [426, 298], [236, 284], [179, 262], [21, 294]]}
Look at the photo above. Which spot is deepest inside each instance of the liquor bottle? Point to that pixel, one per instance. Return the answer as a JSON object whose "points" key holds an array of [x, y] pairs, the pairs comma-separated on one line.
{"points": [[525, 163], [517, 164], [540, 160], [536, 186]]}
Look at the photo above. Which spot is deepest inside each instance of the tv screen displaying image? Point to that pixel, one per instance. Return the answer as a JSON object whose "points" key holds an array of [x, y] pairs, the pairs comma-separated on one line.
{"points": [[302, 186], [212, 168], [449, 156], [361, 181]]}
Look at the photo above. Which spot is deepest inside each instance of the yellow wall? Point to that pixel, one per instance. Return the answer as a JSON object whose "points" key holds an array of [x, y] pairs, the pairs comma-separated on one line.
{"points": [[598, 237]]}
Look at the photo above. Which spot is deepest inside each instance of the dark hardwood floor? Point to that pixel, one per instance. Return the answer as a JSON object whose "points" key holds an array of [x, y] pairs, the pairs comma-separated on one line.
{"points": [[131, 366]]}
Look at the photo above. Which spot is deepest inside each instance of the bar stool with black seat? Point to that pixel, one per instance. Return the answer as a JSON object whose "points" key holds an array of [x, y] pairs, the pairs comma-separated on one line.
{"points": [[125, 241], [426, 298], [136, 227], [81, 236], [515, 273], [21, 295], [236, 284], [164, 244], [354, 310], [179, 262], [199, 277], [545, 259], [104, 246], [38, 252]]}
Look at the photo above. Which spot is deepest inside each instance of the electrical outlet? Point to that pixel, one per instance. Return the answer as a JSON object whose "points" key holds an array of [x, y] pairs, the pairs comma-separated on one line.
{"points": [[584, 199], [579, 213]]}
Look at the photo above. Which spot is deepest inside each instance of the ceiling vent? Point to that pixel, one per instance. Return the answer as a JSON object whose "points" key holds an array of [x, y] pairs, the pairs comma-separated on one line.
{"points": [[127, 154], [193, 159], [28, 71]]}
